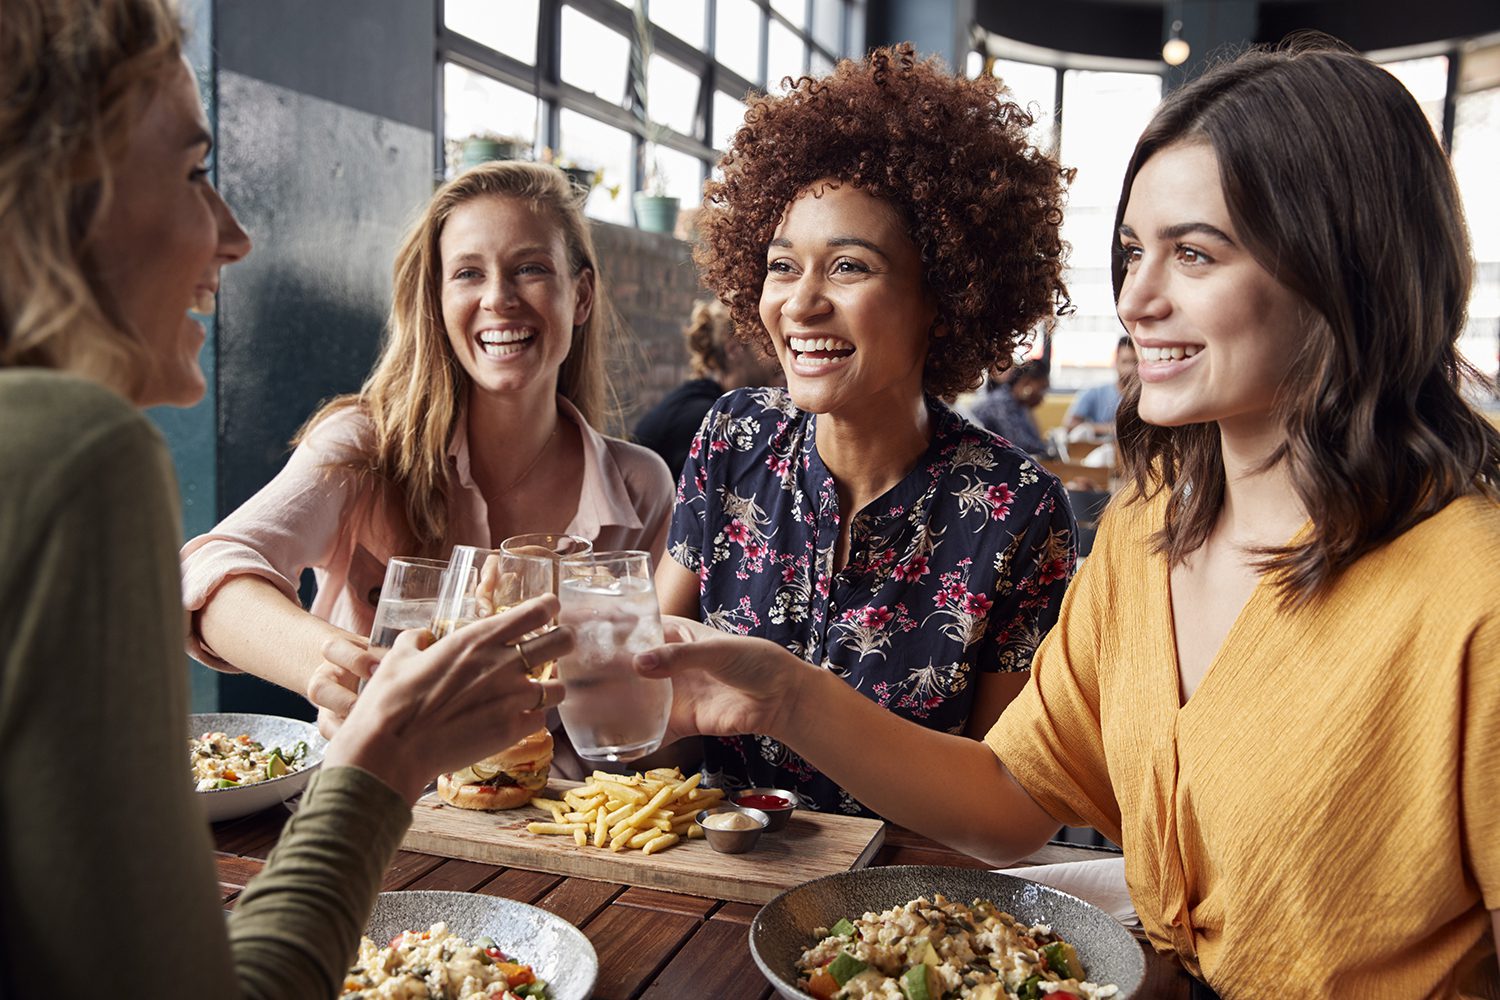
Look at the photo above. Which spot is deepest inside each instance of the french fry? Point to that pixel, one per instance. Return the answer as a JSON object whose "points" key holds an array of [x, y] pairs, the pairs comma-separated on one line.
{"points": [[649, 812], [601, 828], [623, 792], [661, 843], [553, 827]]}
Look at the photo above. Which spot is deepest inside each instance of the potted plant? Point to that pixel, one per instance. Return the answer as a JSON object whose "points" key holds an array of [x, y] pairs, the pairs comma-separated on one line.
{"points": [[482, 147], [655, 210], [582, 178]]}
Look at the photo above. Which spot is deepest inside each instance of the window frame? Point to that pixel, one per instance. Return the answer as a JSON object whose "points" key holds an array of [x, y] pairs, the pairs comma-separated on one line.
{"points": [[544, 80]]}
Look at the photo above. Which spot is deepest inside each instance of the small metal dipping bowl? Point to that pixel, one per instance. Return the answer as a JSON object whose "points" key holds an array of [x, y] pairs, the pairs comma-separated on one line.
{"points": [[779, 815], [732, 841]]}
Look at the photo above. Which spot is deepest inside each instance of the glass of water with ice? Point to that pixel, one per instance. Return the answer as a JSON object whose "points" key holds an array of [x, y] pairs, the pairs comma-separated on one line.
{"points": [[611, 713]]}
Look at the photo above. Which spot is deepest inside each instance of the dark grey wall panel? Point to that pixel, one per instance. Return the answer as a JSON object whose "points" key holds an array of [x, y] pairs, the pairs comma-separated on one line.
{"points": [[325, 192], [374, 55]]}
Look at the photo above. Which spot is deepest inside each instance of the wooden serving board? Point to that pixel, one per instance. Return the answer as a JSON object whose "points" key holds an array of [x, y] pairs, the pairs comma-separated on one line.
{"points": [[810, 846]]}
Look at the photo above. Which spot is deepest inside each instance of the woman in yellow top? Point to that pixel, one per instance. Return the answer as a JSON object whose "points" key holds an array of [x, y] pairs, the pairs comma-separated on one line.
{"points": [[1277, 681]]}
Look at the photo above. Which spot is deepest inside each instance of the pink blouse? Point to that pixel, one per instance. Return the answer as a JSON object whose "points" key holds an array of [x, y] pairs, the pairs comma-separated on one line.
{"points": [[317, 513]]}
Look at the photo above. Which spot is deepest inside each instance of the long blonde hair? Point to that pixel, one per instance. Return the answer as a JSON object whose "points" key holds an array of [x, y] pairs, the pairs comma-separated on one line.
{"points": [[76, 75], [414, 395]]}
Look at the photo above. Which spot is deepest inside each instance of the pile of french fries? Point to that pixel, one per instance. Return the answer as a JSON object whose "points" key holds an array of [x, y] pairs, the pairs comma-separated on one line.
{"points": [[650, 811]]}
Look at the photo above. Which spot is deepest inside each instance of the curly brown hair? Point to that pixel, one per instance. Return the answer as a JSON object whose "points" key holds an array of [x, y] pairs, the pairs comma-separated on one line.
{"points": [[980, 202]]}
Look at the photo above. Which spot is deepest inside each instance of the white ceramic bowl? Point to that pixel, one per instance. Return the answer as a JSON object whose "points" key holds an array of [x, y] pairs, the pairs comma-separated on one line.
{"points": [[221, 804], [556, 950]]}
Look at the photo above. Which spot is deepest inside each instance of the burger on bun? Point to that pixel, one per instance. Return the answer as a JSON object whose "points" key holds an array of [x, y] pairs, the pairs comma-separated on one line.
{"points": [[507, 780]]}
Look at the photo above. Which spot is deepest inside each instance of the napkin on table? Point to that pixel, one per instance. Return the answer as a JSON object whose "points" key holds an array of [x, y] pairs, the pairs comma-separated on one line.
{"points": [[1099, 882]]}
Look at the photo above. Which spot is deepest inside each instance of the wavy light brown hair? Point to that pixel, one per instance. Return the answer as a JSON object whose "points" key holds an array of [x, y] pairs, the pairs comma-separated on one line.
{"points": [[951, 155], [1336, 185], [76, 75], [708, 330], [415, 394]]}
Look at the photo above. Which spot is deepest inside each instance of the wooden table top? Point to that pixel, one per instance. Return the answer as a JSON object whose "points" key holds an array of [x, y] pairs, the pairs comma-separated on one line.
{"points": [[651, 944]]}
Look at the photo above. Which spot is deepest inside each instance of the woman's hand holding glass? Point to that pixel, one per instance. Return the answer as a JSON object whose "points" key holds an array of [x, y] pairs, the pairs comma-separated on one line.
{"points": [[722, 684], [408, 596], [438, 705]]}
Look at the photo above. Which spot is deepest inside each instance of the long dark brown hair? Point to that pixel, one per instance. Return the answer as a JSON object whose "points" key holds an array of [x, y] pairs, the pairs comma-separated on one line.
{"points": [[1337, 186]]}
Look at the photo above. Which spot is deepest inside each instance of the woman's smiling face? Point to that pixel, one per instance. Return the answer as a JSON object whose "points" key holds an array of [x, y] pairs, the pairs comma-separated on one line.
{"points": [[1215, 332], [164, 237], [844, 304], [510, 298]]}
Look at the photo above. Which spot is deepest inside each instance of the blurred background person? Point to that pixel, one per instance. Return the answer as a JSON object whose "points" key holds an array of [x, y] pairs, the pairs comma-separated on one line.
{"points": [[1008, 406], [1091, 417], [720, 363]]}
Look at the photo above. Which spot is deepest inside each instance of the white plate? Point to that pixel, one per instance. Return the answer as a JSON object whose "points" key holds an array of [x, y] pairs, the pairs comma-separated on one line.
{"points": [[556, 950], [221, 804]]}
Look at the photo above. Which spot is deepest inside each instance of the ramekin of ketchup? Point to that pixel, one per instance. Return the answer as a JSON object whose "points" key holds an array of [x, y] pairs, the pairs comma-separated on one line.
{"points": [[777, 803]]}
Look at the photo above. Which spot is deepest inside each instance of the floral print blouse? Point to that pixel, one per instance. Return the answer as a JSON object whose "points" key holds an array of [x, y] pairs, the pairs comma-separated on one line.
{"points": [[959, 568]]}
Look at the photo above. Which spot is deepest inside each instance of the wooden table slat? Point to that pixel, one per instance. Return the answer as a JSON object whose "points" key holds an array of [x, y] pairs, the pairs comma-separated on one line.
{"points": [[739, 913], [517, 883], [668, 902], [576, 900], [456, 876], [634, 946], [235, 871], [716, 963], [252, 836], [406, 867]]}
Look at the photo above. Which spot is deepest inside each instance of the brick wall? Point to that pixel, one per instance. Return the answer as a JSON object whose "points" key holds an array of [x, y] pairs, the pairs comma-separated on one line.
{"points": [[653, 283]]}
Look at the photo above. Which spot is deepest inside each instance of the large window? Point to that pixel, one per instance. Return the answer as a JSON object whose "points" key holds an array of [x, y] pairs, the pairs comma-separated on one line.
{"points": [[562, 77], [1093, 118]]}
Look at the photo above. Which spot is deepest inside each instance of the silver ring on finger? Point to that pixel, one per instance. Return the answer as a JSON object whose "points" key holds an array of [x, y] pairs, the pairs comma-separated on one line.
{"points": [[541, 696]]}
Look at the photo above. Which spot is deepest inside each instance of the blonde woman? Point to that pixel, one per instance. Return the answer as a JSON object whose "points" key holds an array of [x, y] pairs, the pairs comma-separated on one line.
{"points": [[477, 423], [111, 234]]}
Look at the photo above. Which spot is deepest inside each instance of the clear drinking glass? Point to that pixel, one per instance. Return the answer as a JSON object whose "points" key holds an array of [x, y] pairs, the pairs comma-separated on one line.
{"points": [[481, 582], [610, 712], [553, 548], [408, 598]]}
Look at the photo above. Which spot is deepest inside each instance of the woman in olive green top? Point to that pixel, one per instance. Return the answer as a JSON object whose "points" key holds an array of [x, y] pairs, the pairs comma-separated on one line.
{"points": [[111, 233]]}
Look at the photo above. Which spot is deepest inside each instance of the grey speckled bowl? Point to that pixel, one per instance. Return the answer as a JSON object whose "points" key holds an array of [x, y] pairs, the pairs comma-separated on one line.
{"points": [[783, 928], [554, 948], [221, 804]]}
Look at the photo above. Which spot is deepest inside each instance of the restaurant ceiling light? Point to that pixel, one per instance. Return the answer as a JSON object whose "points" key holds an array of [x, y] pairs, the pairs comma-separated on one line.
{"points": [[1175, 51]]}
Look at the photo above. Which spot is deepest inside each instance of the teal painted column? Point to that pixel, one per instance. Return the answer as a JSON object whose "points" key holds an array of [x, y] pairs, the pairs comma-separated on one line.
{"points": [[192, 434]]}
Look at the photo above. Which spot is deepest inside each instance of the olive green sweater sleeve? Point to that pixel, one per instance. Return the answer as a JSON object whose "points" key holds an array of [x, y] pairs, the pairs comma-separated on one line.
{"points": [[106, 871]]}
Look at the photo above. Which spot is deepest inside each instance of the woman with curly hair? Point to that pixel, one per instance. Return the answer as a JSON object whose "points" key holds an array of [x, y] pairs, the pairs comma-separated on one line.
{"points": [[1276, 682], [890, 235], [477, 423], [721, 362]]}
